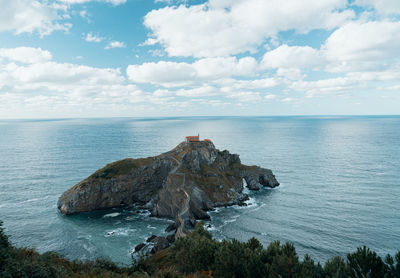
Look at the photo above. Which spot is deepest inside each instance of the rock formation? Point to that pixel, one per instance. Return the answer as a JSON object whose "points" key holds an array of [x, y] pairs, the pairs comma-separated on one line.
{"points": [[182, 184]]}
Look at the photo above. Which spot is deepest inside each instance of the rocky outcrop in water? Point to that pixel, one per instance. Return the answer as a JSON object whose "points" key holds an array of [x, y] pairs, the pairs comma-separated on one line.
{"points": [[182, 184]]}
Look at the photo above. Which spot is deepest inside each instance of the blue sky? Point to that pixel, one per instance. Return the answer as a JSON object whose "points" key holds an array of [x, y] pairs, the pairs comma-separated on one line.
{"points": [[141, 58]]}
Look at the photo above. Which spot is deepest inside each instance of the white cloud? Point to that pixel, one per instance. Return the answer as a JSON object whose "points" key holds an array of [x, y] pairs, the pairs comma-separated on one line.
{"points": [[221, 28], [288, 99], [290, 73], [69, 89], [384, 75], [73, 85], [115, 44], [390, 88], [354, 47], [198, 92], [255, 83], [168, 74], [363, 46], [114, 2], [322, 87], [48, 77], [41, 16], [45, 87], [220, 67], [25, 54], [83, 14], [171, 2], [350, 83], [173, 74], [49, 73], [363, 56], [381, 6], [246, 96], [300, 57], [157, 52], [93, 38], [270, 96], [28, 16]]}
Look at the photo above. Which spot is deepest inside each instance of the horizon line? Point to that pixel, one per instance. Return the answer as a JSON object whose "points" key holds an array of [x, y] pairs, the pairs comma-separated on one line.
{"points": [[203, 116]]}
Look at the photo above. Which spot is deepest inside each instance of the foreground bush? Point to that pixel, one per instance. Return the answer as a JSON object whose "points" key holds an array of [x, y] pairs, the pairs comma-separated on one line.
{"points": [[198, 255], [199, 252]]}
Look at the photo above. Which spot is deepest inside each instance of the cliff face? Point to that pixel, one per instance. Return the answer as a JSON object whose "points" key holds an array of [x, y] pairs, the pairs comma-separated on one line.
{"points": [[181, 184]]}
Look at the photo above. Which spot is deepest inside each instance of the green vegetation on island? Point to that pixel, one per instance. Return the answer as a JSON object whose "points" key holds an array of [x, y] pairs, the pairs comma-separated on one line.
{"points": [[199, 255]]}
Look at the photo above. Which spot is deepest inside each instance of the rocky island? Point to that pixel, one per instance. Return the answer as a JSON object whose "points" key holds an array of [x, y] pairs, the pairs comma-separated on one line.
{"points": [[181, 184]]}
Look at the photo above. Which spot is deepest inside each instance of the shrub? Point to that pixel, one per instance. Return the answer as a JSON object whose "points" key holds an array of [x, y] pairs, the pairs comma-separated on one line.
{"points": [[365, 263], [4, 249], [194, 252], [393, 266], [197, 256], [335, 268], [231, 259]]}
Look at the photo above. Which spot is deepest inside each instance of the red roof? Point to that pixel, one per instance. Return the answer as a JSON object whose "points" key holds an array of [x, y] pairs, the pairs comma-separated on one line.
{"points": [[193, 138]]}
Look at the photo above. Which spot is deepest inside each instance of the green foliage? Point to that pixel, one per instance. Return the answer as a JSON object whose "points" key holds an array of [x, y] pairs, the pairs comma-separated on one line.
{"points": [[309, 269], [365, 263], [168, 273], [335, 268], [393, 266], [23, 262], [3, 238], [198, 256], [281, 260], [194, 252], [107, 264], [120, 167], [142, 264], [231, 259], [4, 247]]}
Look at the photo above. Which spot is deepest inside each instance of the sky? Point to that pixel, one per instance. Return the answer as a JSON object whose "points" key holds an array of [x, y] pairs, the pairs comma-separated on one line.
{"points": [[157, 58]]}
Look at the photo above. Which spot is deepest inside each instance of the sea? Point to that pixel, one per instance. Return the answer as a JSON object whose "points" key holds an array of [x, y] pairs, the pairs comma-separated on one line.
{"points": [[339, 181]]}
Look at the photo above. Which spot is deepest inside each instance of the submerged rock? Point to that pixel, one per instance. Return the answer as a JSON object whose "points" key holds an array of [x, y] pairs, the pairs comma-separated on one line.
{"points": [[150, 239], [182, 184], [139, 247]]}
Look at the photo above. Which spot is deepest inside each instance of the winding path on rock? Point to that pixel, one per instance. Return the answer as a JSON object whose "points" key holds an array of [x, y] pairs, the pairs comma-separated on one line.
{"points": [[187, 200]]}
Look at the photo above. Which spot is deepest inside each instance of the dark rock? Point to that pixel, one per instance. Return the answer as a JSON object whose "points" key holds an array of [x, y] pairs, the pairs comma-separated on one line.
{"points": [[182, 184], [189, 223], [243, 198], [200, 214], [160, 243], [171, 238], [171, 227], [267, 178], [139, 247], [256, 176], [197, 209], [252, 182], [150, 239]]}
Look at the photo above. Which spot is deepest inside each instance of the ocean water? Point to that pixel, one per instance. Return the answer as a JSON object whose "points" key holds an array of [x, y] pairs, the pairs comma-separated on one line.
{"points": [[340, 181]]}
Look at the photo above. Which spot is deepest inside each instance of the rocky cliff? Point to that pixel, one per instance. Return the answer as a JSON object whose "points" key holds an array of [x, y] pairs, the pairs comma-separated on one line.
{"points": [[182, 184]]}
